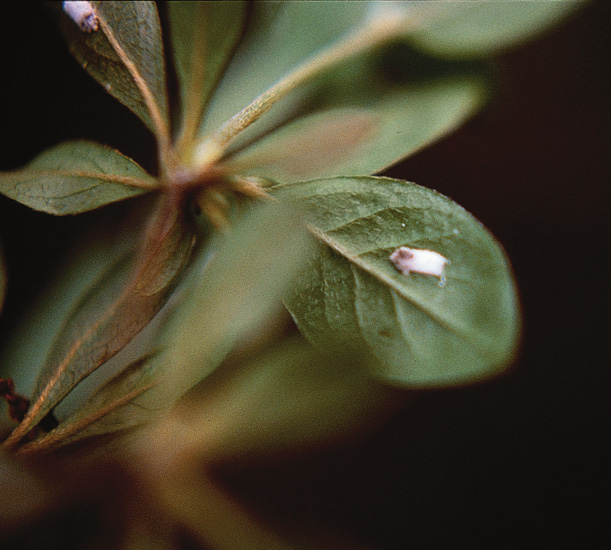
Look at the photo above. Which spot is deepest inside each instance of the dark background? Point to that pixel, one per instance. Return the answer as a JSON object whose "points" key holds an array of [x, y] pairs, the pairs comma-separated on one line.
{"points": [[519, 460]]}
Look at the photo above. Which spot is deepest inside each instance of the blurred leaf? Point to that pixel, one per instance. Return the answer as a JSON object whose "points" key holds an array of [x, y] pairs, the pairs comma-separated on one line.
{"points": [[204, 35], [237, 289], [279, 36], [241, 286], [113, 312], [125, 55], [82, 267], [422, 332], [479, 29], [364, 134], [74, 177], [292, 398]]}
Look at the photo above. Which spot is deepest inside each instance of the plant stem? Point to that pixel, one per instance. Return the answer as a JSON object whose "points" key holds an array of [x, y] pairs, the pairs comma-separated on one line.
{"points": [[374, 32], [160, 124]]}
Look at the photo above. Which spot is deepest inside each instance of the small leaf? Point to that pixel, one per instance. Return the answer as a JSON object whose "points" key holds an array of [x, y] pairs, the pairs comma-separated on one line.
{"points": [[75, 177], [279, 36], [125, 55], [290, 399], [117, 309], [479, 29], [422, 331], [204, 35], [366, 137]]}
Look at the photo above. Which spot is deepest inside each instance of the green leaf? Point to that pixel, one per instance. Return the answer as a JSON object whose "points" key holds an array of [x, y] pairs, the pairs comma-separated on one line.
{"points": [[240, 288], [75, 177], [222, 300], [480, 29], [109, 410], [125, 55], [117, 308], [279, 36], [365, 134], [423, 332], [83, 266], [291, 399], [204, 35]]}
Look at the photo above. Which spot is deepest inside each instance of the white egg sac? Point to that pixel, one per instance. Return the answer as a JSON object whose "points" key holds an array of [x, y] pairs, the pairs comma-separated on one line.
{"points": [[412, 260], [83, 14]]}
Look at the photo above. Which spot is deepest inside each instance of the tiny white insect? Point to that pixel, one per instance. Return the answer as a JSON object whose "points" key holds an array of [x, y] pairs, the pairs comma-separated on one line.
{"points": [[427, 262], [83, 14]]}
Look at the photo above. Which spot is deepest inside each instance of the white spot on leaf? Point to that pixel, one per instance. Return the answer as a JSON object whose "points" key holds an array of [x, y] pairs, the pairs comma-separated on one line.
{"points": [[83, 14], [426, 262]]}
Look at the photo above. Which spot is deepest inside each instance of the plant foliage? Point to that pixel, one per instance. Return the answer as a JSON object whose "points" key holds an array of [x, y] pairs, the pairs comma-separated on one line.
{"points": [[265, 193]]}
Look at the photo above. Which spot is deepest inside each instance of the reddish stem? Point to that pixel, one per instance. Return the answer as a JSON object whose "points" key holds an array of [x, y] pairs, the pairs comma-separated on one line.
{"points": [[17, 404]]}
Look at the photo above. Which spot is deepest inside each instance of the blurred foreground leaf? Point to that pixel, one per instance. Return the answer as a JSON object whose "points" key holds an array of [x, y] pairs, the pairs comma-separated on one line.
{"points": [[241, 286], [224, 297], [79, 271], [122, 302], [291, 399], [423, 332], [74, 177]]}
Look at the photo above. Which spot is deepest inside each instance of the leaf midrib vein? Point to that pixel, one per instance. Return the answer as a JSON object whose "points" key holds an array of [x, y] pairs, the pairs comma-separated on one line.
{"points": [[132, 181], [389, 283]]}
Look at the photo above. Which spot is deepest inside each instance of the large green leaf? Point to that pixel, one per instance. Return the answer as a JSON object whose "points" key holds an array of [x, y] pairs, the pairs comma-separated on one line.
{"points": [[479, 29], [204, 35], [366, 134], [279, 37], [123, 302], [74, 177], [423, 332], [125, 55]]}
